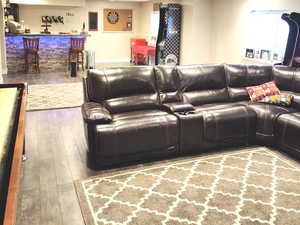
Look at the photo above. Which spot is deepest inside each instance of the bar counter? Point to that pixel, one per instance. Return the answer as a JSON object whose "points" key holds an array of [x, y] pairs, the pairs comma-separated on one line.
{"points": [[53, 51]]}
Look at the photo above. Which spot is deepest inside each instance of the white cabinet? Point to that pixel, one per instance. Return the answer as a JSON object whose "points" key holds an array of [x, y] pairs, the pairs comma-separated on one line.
{"points": [[76, 3]]}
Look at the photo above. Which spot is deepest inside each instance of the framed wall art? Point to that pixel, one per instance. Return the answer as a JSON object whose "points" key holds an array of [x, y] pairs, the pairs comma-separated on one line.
{"points": [[265, 54], [93, 21], [117, 20]]}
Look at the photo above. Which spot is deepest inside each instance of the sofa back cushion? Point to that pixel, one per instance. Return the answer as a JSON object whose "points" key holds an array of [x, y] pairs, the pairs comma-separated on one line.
{"points": [[239, 77], [287, 80], [168, 84], [123, 89], [203, 84]]}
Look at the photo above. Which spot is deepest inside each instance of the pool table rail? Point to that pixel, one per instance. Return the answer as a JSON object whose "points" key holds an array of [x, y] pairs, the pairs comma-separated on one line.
{"points": [[18, 151]]}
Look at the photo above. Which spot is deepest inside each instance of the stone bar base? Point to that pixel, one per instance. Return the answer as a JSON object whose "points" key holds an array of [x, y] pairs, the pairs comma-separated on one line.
{"points": [[53, 51]]}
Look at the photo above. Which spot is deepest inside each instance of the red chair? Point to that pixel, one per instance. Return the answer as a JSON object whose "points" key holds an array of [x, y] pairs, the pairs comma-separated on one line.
{"points": [[143, 53], [134, 42]]}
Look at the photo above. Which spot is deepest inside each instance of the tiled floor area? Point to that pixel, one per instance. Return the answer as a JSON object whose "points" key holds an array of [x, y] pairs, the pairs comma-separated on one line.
{"points": [[54, 77], [43, 78]]}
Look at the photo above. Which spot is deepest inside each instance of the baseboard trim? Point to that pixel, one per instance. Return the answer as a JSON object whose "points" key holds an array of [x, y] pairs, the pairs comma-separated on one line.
{"points": [[112, 60]]}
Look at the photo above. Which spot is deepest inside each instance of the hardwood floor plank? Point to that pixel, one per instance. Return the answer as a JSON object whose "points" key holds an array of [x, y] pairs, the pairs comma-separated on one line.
{"points": [[50, 206], [55, 146], [59, 153], [50, 211], [30, 207], [72, 141], [31, 166], [69, 203]]}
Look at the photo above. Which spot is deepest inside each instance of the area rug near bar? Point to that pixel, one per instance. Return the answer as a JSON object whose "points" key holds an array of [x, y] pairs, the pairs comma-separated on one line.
{"points": [[54, 96], [247, 187]]}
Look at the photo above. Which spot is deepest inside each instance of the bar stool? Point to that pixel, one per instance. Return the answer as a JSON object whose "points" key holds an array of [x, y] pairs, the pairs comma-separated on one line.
{"points": [[31, 53], [77, 50]]}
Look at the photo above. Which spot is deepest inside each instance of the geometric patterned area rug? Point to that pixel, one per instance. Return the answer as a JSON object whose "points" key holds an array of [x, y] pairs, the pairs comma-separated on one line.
{"points": [[247, 187], [54, 96]]}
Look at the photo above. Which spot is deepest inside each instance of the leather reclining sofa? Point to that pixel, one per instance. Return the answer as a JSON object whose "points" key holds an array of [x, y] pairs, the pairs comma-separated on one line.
{"points": [[141, 113]]}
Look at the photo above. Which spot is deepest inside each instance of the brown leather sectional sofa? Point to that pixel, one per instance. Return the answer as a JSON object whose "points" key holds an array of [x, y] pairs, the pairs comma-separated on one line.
{"points": [[140, 113]]}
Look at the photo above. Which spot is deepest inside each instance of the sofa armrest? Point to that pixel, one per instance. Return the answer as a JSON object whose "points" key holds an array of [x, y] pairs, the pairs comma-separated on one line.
{"points": [[93, 112], [178, 107]]}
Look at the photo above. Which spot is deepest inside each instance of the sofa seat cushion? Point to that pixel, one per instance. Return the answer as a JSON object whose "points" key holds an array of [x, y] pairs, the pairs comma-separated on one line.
{"points": [[216, 125], [287, 132], [215, 106], [266, 117], [137, 132], [223, 125], [138, 114]]}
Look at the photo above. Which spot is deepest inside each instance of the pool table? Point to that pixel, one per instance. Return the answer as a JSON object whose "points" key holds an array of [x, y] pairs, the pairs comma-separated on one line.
{"points": [[12, 147]]}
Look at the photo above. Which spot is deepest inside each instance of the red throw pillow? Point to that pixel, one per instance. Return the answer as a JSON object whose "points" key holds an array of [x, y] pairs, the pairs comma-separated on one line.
{"points": [[258, 92], [270, 88]]}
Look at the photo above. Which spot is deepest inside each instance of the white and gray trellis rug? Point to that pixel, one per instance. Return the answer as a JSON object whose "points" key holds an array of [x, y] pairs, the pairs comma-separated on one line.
{"points": [[54, 96], [246, 187]]}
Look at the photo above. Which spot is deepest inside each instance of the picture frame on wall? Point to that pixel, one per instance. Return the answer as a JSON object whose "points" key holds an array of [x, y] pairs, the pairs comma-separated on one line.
{"points": [[257, 54], [93, 21], [265, 54], [249, 53]]}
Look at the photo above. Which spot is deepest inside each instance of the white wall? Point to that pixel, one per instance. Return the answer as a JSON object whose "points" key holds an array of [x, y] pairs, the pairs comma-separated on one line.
{"points": [[3, 69], [108, 45], [51, 2], [196, 32], [146, 11], [230, 24]]}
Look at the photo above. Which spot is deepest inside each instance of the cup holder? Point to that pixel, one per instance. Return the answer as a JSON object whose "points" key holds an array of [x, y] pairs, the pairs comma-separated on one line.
{"points": [[185, 113]]}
